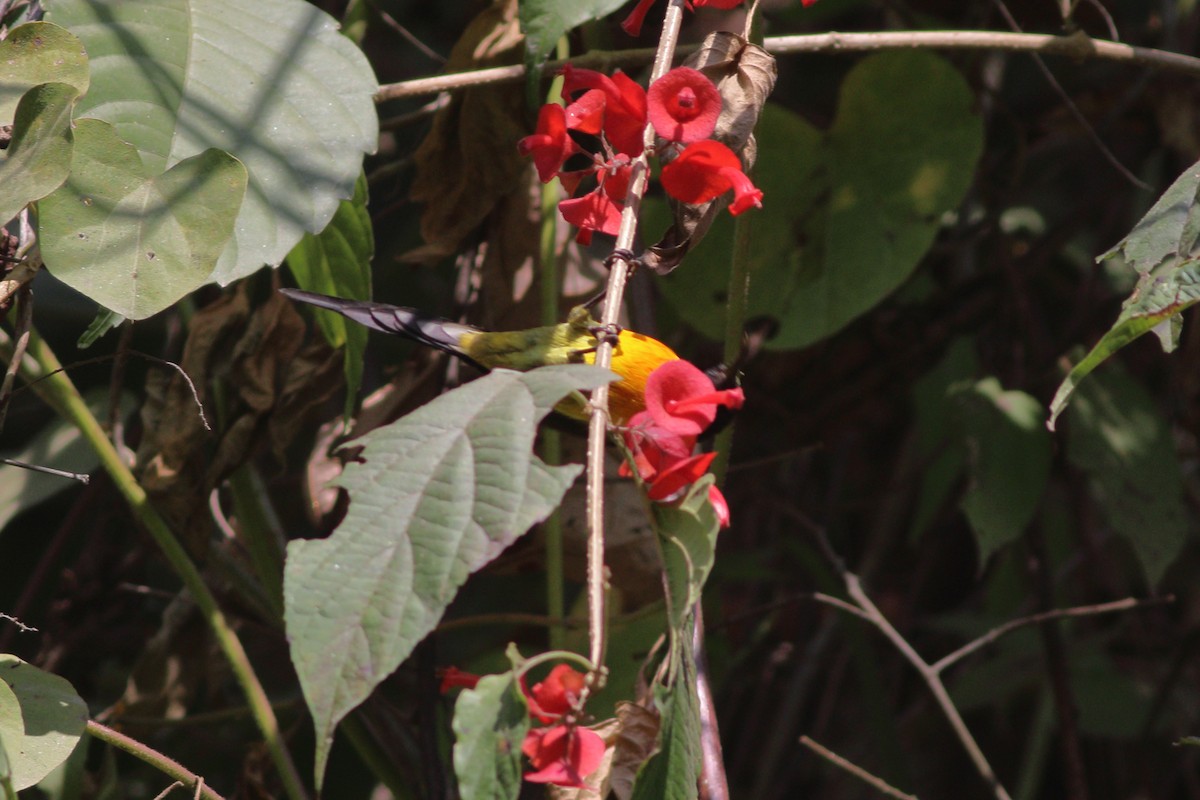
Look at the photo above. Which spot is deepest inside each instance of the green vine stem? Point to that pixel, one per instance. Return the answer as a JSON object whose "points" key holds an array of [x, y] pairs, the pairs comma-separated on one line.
{"points": [[54, 386], [556, 605], [162, 763], [735, 321]]}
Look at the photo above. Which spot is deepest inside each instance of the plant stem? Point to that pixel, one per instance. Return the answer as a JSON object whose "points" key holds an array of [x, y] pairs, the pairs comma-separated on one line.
{"points": [[735, 321], [598, 422], [56, 388], [162, 763], [1077, 47], [556, 604], [260, 531]]}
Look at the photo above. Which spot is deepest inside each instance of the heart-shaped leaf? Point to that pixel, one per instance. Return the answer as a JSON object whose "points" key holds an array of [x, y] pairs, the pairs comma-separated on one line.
{"points": [[272, 82], [133, 241], [36, 53], [43, 728], [39, 156]]}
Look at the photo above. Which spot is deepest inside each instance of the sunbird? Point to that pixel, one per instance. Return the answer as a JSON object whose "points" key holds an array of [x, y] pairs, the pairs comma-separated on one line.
{"points": [[635, 355]]}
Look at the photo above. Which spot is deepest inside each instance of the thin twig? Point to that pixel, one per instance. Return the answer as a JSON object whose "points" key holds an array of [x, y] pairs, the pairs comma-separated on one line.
{"points": [[855, 770], [1108, 154], [598, 422], [1078, 47], [932, 681], [21, 626], [82, 477], [1127, 604], [19, 276]]}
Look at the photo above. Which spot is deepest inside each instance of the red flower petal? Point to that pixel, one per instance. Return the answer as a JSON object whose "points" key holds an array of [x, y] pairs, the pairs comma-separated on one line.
{"points": [[717, 501], [455, 678], [587, 113], [683, 105], [706, 170], [625, 115], [679, 476], [671, 383], [595, 211], [550, 145], [616, 181], [558, 693], [633, 23], [562, 755]]}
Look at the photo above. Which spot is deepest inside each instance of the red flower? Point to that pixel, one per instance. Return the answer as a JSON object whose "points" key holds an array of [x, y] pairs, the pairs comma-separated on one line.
{"points": [[586, 114], [683, 105], [624, 105], [706, 170], [455, 678], [557, 694], [550, 145], [594, 211], [682, 399], [563, 755]]}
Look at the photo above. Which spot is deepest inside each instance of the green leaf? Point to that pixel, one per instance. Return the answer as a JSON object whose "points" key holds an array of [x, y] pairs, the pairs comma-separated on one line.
{"points": [[39, 156], [102, 323], [490, 722], [1009, 454], [544, 21], [442, 492], [36, 53], [135, 241], [1119, 439], [673, 772], [687, 533], [1190, 741], [271, 82], [12, 736], [337, 262], [848, 215], [1162, 249], [51, 720]]}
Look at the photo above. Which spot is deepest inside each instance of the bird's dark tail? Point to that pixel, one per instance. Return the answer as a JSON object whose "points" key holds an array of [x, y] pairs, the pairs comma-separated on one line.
{"points": [[442, 334]]}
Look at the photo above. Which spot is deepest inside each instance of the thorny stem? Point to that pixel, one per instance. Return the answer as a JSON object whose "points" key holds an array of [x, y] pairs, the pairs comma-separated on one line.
{"points": [[598, 422], [161, 762], [57, 389], [1078, 47]]}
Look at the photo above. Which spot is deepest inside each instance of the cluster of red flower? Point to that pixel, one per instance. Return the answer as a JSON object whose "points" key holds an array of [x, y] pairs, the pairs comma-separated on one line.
{"points": [[681, 403], [683, 106], [562, 753]]}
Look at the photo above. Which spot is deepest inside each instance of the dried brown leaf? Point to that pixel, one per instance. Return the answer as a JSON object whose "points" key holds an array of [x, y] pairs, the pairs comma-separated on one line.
{"points": [[469, 160]]}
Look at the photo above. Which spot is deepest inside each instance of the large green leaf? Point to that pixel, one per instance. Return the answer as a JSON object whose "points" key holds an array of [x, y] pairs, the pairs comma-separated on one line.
{"points": [[687, 533], [1120, 440], [848, 215], [544, 21], [337, 262], [272, 82], [39, 156], [41, 732], [490, 722], [673, 772], [37, 53], [1164, 249], [442, 492], [133, 240], [1009, 461], [12, 735]]}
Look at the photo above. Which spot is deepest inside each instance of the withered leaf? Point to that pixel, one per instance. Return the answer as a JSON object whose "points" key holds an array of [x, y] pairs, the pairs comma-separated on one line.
{"points": [[744, 74], [270, 383], [469, 160]]}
